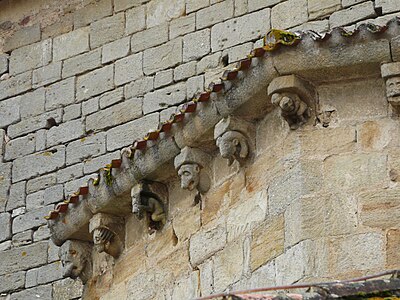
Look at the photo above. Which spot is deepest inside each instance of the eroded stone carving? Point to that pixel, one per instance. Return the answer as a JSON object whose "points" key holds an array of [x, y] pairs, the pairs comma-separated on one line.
{"points": [[294, 97], [76, 258], [391, 74], [108, 233], [192, 166]]}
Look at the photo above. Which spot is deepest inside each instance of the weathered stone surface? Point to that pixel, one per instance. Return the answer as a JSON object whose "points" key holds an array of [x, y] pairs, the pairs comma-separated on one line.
{"points": [[214, 14], [196, 45], [94, 83], [239, 30], [65, 25], [171, 53], [5, 183], [187, 287], [22, 238], [69, 173], [163, 78], [92, 12], [125, 134], [82, 63], [110, 98], [3, 63], [31, 219], [395, 47], [45, 274], [149, 38], [22, 37], [114, 50], [60, 94], [392, 247], [23, 258], [107, 30], [64, 132], [12, 282], [115, 115], [43, 292], [186, 223], [128, 69], [318, 9], [39, 183], [17, 196], [93, 164], [139, 87], [194, 85], [5, 226], [32, 104], [53, 194], [46, 75], [15, 85], [90, 106], [163, 98], [258, 4], [42, 233], [161, 11], [353, 14], [2, 141], [93, 145], [9, 111], [39, 163], [238, 52], [67, 289], [389, 6], [288, 14], [184, 71], [347, 3], [193, 5], [135, 19], [182, 26], [71, 44]]}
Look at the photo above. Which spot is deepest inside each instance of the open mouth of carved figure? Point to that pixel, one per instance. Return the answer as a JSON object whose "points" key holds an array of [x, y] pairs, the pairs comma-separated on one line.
{"points": [[68, 270], [191, 186]]}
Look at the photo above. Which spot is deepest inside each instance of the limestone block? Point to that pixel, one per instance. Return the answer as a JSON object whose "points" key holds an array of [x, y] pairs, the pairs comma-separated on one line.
{"points": [[182, 26], [378, 135], [9, 111], [390, 70], [60, 94], [128, 69], [317, 26], [184, 71], [258, 4], [70, 173], [3, 63], [64, 25], [107, 30], [46, 75], [12, 282], [92, 165], [161, 11], [263, 276], [140, 286], [392, 247], [110, 98], [92, 12], [204, 243], [186, 223], [23, 37], [114, 50], [379, 208], [95, 82], [23, 258], [187, 287], [17, 196], [64, 132], [214, 14], [240, 7], [5, 225], [163, 78], [90, 106], [390, 6], [347, 3], [15, 85], [53, 194], [317, 9], [208, 62], [196, 45], [193, 5], [124, 135], [149, 38], [42, 233], [171, 53], [22, 238], [163, 98], [395, 47], [125, 4], [238, 52], [39, 183], [31, 219], [2, 141], [30, 57], [5, 183], [82, 63], [135, 19], [32, 104], [93, 145], [37, 164], [67, 289], [240, 30], [114, 115], [206, 277], [288, 14], [40, 138], [139, 87], [5, 245], [71, 187], [353, 14], [118, 292], [20, 147], [71, 44], [194, 85], [43, 292]]}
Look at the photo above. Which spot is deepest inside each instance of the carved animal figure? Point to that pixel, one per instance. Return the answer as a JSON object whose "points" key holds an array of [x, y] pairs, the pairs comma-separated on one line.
{"points": [[190, 176], [107, 241], [293, 109], [76, 260], [232, 146]]}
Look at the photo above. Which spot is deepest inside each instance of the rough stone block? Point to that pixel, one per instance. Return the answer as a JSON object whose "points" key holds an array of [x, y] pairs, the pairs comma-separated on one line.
{"points": [[193, 5], [22, 238], [187, 287], [20, 147], [93, 164], [2, 141], [30, 57], [64, 132], [163, 78], [162, 11], [23, 258], [31, 219], [185, 71], [390, 6], [39, 163], [94, 83], [135, 19], [50, 195], [23, 37], [111, 98], [117, 49], [125, 4], [125, 134], [46, 75], [347, 3], [149, 38], [60, 94], [40, 183], [93, 145], [15, 85], [194, 85], [317, 9], [70, 112], [258, 4], [163, 98], [392, 249], [92, 12], [64, 25], [196, 45], [46, 274], [182, 26], [238, 52], [5, 226], [395, 48], [128, 69], [171, 53], [5, 245], [239, 30], [42, 233], [12, 282], [43, 292], [3, 63], [240, 7], [32, 104], [69, 173], [288, 14], [139, 87], [214, 14], [82, 63], [107, 30], [317, 26], [74, 185], [9, 111], [71, 44], [353, 14], [67, 289], [90, 106]]}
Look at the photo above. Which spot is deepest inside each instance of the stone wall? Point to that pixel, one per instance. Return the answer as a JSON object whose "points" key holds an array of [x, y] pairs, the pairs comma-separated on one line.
{"points": [[80, 82]]}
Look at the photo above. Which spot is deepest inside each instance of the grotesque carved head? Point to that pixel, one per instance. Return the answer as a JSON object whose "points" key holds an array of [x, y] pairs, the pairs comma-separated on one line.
{"points": [[232, 145], [286, 101], [76, 259], [190, 176], [393, 86], [102, 239]]}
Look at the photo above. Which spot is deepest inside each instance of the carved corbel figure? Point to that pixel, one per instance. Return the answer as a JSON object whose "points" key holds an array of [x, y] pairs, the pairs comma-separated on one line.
{"points": [[108, 233], [294, 97], [391, 74], [192, 166], [147, 200], [76, 258], [232, 136]]}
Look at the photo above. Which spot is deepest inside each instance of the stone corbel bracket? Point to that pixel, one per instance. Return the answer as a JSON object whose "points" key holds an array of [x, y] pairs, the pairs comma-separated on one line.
{"points": [[108, 233], [76, 258], [295, 98], [235, 139], [391, 74], [193, 169], [149, 201]]}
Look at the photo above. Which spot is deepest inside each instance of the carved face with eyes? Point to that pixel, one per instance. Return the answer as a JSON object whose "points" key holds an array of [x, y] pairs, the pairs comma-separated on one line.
{"points": [[72, 259], [393, 86], [287, 104], [190, 176]]}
